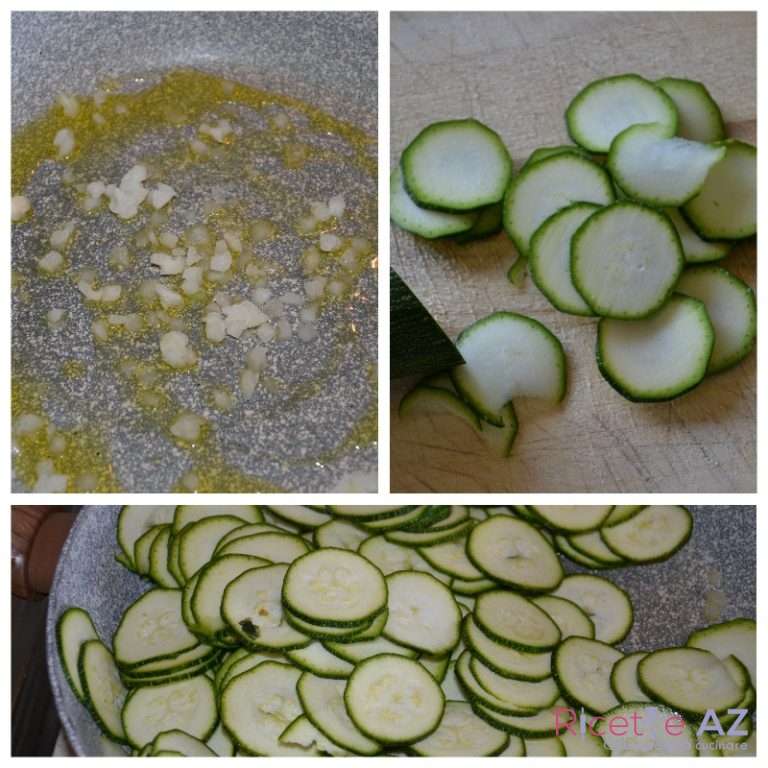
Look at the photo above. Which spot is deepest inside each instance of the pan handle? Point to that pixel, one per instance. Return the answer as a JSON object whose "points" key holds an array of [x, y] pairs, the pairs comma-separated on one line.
{"points": [[37, 536]]}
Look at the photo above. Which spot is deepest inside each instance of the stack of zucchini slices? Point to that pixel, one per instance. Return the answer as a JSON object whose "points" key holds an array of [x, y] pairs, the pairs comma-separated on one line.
{"points": [[626, 225], [435, 630]]}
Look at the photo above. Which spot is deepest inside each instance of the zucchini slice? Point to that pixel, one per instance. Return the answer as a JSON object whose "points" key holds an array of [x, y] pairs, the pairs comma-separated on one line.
{"points": [[334, 588], [606, 107], [251, 606], [737, 637], [550, 258], [103, 692], [394, 700], [544, 187], [650, 734], [660, 169], [726, 206], [690, 680], [425, 222], [659, 357], [257, 706], [152, 628], [607, 605], [699, 117], [508, 355], [323, 703], [513, 620], [151, 710], [626, 259], [462, 733], [582, 668], [73, 629], [423, 613], [654, 533], [732, 308], [515, 553], [456, 165]]}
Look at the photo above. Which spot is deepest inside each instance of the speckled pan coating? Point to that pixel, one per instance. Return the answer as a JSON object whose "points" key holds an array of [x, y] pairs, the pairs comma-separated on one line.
{"points": [[668, 596], [328, 60]]}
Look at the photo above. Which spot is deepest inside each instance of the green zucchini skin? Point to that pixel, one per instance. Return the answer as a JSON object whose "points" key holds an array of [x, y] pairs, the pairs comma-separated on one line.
{"points": [[418, 345]]}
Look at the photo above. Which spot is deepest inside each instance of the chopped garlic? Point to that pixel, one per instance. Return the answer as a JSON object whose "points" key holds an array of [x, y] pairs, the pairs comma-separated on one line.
{"points": [[233, 240], [125, 199], [21, 205], [169, 298], [314, 288], [169, 239], [107, 294], [198, 146], [169, 265], [239, 317], [27, 424], [69, 104], [193, 256], [262, 230], [175, 350], [262, 295], [221, 260], [336, 206], [188, 427], [52, 262], [192, 280], [56, 318], [64, 141], [61, 236], [100, 330], [330, 242], [215, 327], [307, 332], [320, 210], [223, 399], [119, 257], [48, 481], [161, 195], [266, 332], [96, 188], [256, 359], [132, 322], [249, 379], [221, 132]]}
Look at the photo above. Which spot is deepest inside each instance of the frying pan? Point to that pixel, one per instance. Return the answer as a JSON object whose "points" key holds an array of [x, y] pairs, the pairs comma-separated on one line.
{"points": [[668, 597], [306, 437]]}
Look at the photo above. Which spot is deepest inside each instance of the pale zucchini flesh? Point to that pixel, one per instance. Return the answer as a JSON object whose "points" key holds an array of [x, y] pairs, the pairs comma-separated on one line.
{"points": [[456, 165], [660, 169], [690, 680], [731, 307], [626, 259], [550, 258], [508, 355], [546, 186], [425, 222], [394, 700], [659, 357], [699, 117], [604, 108], [654, 533], [515, 553], [726, 206]]}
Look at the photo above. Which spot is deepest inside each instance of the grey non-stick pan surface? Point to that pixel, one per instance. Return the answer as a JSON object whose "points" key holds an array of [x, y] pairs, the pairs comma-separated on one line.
{"points": [[288, 441], [669, 597]]}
